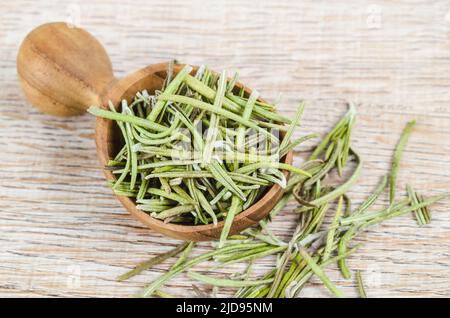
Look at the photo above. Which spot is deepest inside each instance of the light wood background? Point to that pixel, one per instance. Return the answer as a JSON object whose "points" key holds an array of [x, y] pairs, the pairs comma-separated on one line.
{"points": [[62, 233]]}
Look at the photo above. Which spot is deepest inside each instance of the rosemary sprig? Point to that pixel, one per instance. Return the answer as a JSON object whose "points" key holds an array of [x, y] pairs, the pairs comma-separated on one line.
{"points": [[226, 282], [171, 88], [293, 126], [372, 198], [153, 262], [236, 206], [214, 121], [318, 271], [422, 214], [99, 112], [332, 230]]}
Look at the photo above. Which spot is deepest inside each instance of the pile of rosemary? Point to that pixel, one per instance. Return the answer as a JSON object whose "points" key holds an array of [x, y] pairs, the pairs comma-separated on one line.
{"points": [[186, 190], [200, 150]]}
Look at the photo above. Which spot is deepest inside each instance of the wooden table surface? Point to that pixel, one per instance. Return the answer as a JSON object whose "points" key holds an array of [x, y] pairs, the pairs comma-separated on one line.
{"points": [[62, 232]]}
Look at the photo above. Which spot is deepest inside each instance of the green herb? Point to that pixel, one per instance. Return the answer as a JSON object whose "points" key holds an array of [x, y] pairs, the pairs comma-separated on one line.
{"points": [[397, 157], [214, 121], [173, 211], [342, 249], [236, 204], [318, 271], [372, 198], [294, 125], [332, 230], [231, 99], [153, 262], [176, 176], [422, 214], [361, 288], [162, 294], [96, 111], [224, 178], [164, 156], [170, 89], [246, 116], [151, 288], [184, 255], [226, 282]]}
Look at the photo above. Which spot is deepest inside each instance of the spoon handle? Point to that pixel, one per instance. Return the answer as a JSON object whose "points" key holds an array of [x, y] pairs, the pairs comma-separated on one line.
{"points": [[63, 70]]}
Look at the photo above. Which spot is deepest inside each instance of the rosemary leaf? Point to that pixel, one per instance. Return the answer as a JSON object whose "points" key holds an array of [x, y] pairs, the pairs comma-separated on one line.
{"points": [[361, 288], [397, 157], [320, 274], [226, 282], [152, 262]]}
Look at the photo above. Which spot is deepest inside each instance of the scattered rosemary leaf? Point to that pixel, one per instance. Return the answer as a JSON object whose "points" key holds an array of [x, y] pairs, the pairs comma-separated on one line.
{"points": [[320, 274], [152, 262], [361, 288], [226, 282], [397, 157]]}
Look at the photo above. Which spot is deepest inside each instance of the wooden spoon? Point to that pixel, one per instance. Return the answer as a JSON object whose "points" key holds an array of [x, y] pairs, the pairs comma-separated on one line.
{"points": [[64, 70]]}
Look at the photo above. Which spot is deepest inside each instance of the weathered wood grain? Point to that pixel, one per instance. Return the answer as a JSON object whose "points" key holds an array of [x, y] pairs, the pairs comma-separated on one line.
{"points": [[62, 233]]}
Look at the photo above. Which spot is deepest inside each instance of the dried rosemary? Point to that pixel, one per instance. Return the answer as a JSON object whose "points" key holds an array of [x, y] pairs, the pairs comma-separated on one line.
{"points": [[312, 246], [177, 176]]}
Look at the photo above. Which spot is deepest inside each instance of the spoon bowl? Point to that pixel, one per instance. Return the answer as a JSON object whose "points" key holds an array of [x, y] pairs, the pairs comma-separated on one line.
{"points": [[64, 70]]}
